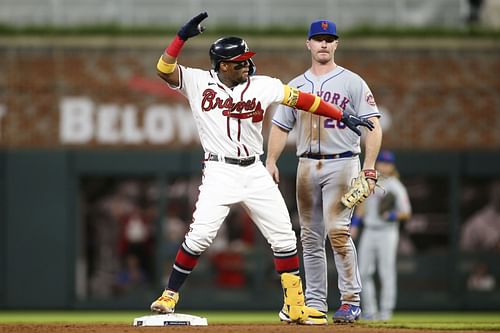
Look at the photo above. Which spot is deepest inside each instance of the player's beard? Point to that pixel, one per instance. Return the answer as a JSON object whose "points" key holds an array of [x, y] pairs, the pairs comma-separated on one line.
{"points": [[244, 77], [233, 81]]}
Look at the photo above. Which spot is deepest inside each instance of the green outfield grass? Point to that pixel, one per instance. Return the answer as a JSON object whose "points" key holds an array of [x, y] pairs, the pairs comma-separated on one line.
{"points": [[421, 320]]}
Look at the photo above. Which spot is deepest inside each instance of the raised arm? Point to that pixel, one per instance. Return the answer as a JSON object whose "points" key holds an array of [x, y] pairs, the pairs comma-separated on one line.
{"points": [[167, 64], [314, 104]]}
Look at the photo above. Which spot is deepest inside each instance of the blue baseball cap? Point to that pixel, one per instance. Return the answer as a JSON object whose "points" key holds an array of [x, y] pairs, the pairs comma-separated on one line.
{"points": [[322, 27], [386, 156]]}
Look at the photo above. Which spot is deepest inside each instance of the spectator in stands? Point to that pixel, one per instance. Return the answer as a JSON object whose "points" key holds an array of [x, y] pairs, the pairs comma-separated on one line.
{"points": [[131, 276], [481, 278], [481, 232]]}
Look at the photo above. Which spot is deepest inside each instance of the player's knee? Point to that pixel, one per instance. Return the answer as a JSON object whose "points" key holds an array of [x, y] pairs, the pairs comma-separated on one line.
{"points": [[311, 237], [198, 245], [340, 240], [285, 246], [311, 244]]}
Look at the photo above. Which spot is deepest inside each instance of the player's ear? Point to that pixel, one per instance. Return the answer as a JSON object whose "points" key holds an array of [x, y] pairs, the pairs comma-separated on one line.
{"points": [[307, 45], [223, 66]]}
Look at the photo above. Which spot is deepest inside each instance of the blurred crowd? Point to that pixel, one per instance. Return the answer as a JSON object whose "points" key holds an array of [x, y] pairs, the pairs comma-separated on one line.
{"points": [[131, 229]]}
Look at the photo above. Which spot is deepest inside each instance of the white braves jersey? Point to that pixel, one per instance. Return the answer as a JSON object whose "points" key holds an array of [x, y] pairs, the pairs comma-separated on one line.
{"points": [[322, 135], [229, 121]]}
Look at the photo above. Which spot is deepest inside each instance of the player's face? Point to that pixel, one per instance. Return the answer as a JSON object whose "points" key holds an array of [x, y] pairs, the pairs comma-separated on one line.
{"points": [[322, 48], [235, 72]]}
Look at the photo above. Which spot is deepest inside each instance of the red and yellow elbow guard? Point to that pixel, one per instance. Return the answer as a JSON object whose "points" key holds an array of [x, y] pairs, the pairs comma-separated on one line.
{"points": [[310, 103]]}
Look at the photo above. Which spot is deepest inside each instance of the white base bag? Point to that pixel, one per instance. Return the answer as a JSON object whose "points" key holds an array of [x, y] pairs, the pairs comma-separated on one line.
{"points": [[176, 319]]}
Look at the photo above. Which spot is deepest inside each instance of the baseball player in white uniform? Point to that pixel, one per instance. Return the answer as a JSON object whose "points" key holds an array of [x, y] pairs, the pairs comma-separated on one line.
{"points": [[228, 104], [378, 243], [328, 161]]}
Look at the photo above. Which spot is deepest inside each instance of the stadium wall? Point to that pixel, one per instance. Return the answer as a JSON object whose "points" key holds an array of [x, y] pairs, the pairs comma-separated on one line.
{"points": [[71, 108]]}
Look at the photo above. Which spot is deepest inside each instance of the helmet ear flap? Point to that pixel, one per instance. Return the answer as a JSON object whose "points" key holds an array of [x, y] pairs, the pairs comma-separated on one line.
{"points": [[252, 66], [215, 66]]}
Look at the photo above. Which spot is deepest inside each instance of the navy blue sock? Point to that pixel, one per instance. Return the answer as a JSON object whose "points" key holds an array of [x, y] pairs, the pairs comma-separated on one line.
{"points": [[185, 261], [176, 280]]}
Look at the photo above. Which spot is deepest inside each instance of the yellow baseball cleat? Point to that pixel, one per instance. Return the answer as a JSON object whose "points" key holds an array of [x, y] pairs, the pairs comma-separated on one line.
{"points": [[294, 309], [166, 302], [309, 316], [293, 296]]}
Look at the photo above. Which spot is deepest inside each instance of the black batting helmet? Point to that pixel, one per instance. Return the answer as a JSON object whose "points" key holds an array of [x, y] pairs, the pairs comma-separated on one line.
{"points": [[230, 49]]}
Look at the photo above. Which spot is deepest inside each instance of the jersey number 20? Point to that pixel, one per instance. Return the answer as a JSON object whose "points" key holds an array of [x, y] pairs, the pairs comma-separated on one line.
{"points": [[332, 123]]}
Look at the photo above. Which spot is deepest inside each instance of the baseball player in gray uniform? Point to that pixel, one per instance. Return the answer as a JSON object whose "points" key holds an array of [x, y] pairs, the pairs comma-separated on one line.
{"points": [[328, 162], [228, 105], [380, 215]]}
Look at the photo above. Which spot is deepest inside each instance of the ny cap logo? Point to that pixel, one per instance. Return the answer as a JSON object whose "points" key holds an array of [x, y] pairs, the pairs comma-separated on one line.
{"points": [[324, 25]]}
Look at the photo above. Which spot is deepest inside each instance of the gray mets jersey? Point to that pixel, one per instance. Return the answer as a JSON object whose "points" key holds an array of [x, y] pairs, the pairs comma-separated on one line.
{"points": [[321, 135]]}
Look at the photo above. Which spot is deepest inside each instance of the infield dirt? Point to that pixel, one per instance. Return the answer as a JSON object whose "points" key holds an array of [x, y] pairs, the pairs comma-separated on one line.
{"points": [[113, 328]]}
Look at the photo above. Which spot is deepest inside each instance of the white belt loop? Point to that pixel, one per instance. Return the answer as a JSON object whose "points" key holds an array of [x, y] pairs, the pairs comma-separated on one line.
{"points": [[219, 157]]}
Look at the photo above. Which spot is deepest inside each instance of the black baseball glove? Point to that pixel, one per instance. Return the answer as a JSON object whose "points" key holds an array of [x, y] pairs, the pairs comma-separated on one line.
{"points": [[353, 122], [387, 206], [192, 27]]}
